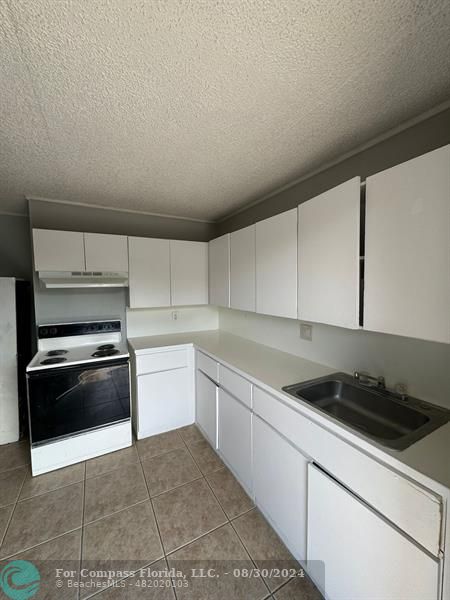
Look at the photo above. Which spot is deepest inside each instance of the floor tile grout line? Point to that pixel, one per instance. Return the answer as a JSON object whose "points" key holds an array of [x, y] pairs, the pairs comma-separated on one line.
{"points": [[115, 512], [11, 515], [176, 487], [206, 533], [51, 539], [20, 500]]}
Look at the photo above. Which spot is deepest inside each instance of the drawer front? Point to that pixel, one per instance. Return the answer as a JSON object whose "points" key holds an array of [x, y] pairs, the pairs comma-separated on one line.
{"points": [[239, 387], [209, 366], [161, 361], [414, 509]]}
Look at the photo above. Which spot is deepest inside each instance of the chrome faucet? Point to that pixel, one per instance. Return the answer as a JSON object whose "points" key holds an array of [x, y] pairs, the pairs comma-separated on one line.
{"points": [[365, 379]]}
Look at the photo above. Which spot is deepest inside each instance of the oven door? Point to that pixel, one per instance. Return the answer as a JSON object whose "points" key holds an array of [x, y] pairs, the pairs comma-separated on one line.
{"points": [[68, 400]]}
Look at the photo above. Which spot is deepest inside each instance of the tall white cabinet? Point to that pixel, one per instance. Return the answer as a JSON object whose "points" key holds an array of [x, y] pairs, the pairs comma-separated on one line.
{"points": [[362, 554], [219, 271], [407, 264], [328, 256], [149, 272], [276, 265], [242, 269], [188, 272]]}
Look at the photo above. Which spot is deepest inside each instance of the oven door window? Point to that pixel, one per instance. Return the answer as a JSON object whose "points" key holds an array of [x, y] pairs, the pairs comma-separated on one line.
{"points": [[71, 400]]}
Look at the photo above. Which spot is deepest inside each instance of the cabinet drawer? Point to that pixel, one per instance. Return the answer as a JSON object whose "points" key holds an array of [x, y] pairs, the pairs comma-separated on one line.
{"points": [[414, 509], [161, 361], [209, 366], [236, 385]]}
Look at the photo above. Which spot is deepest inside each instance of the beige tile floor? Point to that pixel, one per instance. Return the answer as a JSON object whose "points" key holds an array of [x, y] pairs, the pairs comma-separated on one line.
{"points": [[167, 503]]}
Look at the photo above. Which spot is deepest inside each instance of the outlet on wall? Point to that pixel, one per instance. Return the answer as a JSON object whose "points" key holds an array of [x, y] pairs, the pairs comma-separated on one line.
{"points": [[175, 315], [306, 331]]}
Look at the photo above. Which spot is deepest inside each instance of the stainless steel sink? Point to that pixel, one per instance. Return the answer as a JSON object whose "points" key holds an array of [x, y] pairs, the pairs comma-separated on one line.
{"points": [[377, 413]]}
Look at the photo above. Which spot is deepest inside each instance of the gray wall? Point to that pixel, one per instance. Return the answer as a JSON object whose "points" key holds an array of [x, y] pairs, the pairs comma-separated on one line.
{"points": [[15, 247], [71, 217], [418, 139]]}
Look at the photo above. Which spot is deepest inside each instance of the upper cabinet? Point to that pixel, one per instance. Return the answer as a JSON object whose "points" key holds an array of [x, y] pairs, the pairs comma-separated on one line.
{"points": [[188, 272], [149, 272], [328, 256], [242, 269], [219, 271], [58, 250], [78, 251], [407, 249], [105, 252], [276, 265]]}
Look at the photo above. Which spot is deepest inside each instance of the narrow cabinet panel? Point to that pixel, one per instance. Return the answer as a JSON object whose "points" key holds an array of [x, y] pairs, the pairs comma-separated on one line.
{"points": [[407, 264], [219, 271], [279, 479], [242, 269], [235, 437], [362, 555], [106, 252], [206, 407], [188, 272], [328, 256], [276, 265], [149, 272], [58, 250]]}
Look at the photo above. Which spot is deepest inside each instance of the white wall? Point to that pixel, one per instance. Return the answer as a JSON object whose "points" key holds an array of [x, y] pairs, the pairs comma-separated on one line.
{"points": [[159, 321], [423, 366]]}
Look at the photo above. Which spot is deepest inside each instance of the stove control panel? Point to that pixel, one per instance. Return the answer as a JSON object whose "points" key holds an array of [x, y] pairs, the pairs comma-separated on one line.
{"points": [[69, 329]]}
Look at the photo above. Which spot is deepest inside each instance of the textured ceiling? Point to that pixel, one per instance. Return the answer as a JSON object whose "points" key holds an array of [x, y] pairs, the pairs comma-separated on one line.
{"points": [[196, 108]]}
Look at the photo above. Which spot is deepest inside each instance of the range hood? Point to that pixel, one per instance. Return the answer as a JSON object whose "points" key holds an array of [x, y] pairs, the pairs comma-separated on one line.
{"points": [[83, 279]]}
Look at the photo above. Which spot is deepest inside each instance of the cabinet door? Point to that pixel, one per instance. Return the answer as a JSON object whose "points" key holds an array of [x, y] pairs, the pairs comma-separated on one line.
{"points": [[279, 480], [189, 272], [235, 437], [106, 252], [242, 269], [328, 256], [164, 402], [149, 272], [206, 407], [407, 264], [58, 250], [364, 557], [276, 265], [219, 271]]}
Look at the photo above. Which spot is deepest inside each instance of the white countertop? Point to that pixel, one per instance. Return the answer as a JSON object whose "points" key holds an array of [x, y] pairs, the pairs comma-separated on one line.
{"points": [[273, 369]]}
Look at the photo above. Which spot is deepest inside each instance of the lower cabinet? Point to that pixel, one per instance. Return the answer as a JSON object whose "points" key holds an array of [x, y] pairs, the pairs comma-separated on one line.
{"points": [[280, 485], [235, 437], [362, 555], [163, 401], [206, 407]]}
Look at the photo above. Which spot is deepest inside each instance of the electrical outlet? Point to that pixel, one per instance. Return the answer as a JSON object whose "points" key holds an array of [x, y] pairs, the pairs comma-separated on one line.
{"points": [[306, 331], [175, 315]]}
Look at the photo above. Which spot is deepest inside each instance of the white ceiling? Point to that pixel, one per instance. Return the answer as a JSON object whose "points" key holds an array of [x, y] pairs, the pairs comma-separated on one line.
{"points": [[195, 108]]}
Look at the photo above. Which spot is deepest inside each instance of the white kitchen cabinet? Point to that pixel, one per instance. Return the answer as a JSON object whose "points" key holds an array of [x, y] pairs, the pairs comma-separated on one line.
{"points": [[219, 271], [149, 272], [328, 256], [407, 249], [206, 407], [242, 269], [188, 272], [163, 391], [58, 250], [276, 265], [106, 252], [279, 483], [364, 556], [235, 437]]}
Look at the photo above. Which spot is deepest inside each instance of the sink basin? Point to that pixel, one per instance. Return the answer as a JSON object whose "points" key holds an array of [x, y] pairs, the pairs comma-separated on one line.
{"points": [[382, 416]]}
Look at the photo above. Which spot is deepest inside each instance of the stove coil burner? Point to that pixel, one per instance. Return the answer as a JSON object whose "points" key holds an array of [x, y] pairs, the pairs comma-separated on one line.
{"points": [[105, 352], [56, 352], [53, 361], [106, 347]]}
